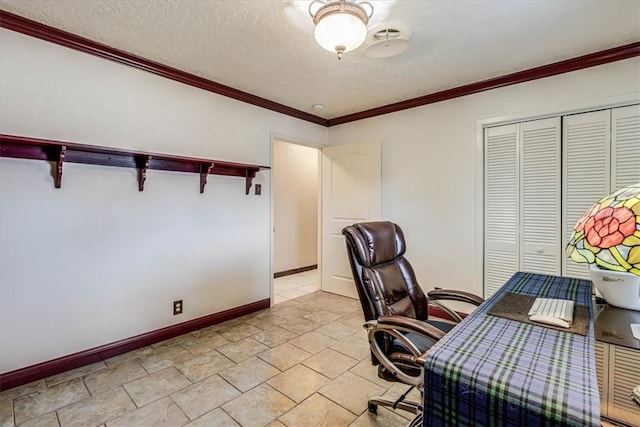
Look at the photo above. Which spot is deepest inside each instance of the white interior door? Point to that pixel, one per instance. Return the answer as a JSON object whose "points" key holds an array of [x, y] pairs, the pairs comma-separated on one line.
{"points": [[351, 176]]}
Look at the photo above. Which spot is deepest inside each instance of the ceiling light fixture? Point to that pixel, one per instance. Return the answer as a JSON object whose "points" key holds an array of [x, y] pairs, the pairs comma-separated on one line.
{"points": [[341, 25]]}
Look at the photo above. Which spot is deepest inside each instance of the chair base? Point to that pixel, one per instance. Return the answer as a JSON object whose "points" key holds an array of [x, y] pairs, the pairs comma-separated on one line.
{"points": [[412, 407]]}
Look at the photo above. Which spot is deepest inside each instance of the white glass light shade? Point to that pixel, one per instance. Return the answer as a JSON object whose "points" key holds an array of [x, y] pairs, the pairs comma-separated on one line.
{"points": [[618, 288], [340, 32]]}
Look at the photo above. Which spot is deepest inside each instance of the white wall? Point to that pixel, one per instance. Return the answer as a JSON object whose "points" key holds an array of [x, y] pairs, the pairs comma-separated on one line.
{"points": [[295, 206], [97, 261], [432, 162]]}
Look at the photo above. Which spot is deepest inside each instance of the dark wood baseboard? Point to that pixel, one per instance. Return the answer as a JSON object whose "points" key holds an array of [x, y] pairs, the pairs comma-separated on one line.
{"points": [[295, 271], [52, 367]]}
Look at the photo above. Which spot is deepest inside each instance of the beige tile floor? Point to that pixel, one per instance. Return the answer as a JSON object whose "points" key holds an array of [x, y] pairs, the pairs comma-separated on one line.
{"points": [[295, 285], [304, 362]]}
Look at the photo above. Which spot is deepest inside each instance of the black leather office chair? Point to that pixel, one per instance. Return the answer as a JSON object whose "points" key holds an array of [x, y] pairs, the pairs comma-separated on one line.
{"points": [[396, 309]]}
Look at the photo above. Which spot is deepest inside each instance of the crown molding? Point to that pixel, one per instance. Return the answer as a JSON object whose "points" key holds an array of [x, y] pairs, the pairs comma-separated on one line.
{"points": [[573, 64], [35, 29], [63, 38]]}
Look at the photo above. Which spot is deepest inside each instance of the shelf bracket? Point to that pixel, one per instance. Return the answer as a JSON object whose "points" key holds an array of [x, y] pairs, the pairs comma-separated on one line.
{"points": [[142, 163], [249, 180], [205, 169], [59, 163]]}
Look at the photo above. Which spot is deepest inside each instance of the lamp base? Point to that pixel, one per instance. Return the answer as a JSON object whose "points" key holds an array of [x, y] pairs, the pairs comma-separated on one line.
{"points": [[620, 289]]}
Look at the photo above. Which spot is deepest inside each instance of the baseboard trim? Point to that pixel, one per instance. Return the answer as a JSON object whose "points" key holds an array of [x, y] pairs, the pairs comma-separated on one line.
{"points": [[295, 271], [52, 367]]}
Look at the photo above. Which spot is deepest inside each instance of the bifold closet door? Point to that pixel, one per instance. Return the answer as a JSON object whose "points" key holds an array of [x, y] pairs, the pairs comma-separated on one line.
{"points": [[539, 181], [625, 146], [522, 200], [587, 172], [540, 190], [501, 257]]}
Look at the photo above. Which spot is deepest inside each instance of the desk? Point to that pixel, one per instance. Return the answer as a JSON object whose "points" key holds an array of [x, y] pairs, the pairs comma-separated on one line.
{"points": [[492, 371], [617, 356]]}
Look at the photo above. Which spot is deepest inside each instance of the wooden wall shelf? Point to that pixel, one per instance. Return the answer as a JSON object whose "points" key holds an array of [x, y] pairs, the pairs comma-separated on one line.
{"points": [[59, 152]]}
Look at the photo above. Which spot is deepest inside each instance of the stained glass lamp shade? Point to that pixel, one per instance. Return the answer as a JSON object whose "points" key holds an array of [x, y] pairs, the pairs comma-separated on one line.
{"points": [[607, 236]]}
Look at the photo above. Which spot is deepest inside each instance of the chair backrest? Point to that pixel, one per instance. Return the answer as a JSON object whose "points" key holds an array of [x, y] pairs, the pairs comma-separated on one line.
{"points": [[385, 280]]}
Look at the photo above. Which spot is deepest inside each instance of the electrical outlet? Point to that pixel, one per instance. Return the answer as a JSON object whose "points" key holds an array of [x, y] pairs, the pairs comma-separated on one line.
{"points": [[177, 307], [258, 189]]}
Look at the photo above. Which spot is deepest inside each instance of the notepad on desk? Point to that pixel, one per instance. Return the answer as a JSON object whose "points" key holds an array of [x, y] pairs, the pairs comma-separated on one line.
{"points": [[551, 311]]}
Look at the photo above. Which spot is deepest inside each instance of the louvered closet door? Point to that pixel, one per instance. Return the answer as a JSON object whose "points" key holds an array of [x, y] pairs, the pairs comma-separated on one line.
{"points": [[625, 147], [586, 177], [624, 375], [501, 206], [540, 190], [602, 370]]}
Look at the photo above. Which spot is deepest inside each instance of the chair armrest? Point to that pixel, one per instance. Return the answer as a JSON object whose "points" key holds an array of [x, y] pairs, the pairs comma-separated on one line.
{"points": [[395, 326], [455, 295], [422, 359], [411, 325]]}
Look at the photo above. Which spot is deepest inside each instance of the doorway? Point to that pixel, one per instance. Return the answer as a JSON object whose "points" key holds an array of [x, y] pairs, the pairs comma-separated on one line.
{"points": [[296, 186]]}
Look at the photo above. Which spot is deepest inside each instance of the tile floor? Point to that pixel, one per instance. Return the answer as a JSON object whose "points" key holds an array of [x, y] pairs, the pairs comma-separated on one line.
{"points": [[304, 362], [295, 285]]}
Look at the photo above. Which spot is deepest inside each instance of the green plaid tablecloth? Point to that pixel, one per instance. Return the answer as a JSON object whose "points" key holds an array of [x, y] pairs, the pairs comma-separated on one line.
{"points": [[492, 371]]}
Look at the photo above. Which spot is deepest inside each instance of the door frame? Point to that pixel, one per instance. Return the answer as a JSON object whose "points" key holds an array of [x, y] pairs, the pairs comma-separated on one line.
{"points": [[274, 136]]}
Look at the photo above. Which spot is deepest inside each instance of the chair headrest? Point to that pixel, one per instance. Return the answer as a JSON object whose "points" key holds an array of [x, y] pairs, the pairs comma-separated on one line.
{"points": [[377, 242]]}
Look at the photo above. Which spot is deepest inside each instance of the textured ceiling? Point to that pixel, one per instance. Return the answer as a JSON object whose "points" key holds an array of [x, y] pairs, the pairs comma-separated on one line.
{"points": [[267, 48]]}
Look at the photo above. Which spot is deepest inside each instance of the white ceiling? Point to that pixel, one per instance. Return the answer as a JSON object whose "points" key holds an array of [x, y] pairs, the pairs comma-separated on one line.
{"points": [[267, 48]]}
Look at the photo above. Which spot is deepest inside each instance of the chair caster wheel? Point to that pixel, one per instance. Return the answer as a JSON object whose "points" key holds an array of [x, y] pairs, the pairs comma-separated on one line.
{"points": [[373, 408]]}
